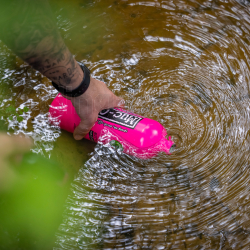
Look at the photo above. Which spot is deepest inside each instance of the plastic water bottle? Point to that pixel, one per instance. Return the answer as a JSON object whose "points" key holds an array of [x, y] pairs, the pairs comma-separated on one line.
{"points": [[133, 134]]}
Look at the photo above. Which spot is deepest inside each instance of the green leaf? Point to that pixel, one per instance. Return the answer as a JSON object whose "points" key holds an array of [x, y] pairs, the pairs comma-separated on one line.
{"points": [[20, 112], [19, 118], [10, 109], [10, 118], [25, 109]]}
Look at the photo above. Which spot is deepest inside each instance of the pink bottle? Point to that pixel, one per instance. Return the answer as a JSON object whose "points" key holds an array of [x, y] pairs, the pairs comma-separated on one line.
{"points": [[135, 135]]}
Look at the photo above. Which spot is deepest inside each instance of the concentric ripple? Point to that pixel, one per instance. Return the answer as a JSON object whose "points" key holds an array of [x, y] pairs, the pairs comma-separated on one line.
{"points": [[185, 64]]}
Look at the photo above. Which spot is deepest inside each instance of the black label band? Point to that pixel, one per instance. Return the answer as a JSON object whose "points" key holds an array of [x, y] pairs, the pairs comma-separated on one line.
{"points": [[120, 117], [92, 136]]}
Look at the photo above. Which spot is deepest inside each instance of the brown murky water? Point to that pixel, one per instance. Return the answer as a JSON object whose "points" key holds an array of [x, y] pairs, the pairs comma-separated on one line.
{"points": [[183, 63]]}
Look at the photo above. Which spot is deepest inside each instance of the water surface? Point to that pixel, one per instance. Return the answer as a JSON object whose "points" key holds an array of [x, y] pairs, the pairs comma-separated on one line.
{"points": [[183, 63]]}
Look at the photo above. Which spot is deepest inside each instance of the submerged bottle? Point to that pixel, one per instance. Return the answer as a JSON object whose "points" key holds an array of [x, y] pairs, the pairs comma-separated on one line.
{"points": [[133, 134]]}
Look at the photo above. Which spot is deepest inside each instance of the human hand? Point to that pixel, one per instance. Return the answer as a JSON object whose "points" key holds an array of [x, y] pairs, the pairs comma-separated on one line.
{"points": [[96, 98], [11, 147]]}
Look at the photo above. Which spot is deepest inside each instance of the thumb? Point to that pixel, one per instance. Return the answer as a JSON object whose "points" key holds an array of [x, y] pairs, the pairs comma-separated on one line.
{"points": [[84, 127]]}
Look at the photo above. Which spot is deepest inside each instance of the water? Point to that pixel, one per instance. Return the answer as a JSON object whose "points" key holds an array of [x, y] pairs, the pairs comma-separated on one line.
{"points": [[183, 63]]}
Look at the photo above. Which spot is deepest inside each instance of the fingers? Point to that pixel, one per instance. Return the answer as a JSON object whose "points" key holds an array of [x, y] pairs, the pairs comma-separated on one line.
{"points": [[96, 98], [84, 127], [88, 121], [80, 131]]}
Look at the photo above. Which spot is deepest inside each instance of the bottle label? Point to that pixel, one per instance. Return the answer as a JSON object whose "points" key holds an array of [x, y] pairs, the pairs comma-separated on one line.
{"points": [[120, 117]]}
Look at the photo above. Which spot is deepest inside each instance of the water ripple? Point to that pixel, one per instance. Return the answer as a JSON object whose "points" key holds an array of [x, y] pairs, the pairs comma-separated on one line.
{"points": [[185, 64]]}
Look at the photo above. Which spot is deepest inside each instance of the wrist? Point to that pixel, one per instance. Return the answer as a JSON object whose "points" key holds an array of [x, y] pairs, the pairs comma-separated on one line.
{"points": [[76, 80], [76, 89]]}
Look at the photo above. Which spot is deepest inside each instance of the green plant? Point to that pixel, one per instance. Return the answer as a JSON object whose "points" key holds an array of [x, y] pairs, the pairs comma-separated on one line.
{"points": [[12, 112]]}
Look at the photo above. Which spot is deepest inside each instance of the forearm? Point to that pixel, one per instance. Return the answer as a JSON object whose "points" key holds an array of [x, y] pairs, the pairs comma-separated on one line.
{"points": [[28, 28]]}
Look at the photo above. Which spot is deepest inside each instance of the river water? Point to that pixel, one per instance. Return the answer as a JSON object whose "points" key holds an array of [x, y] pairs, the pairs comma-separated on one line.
{"points": [[183, 63]]}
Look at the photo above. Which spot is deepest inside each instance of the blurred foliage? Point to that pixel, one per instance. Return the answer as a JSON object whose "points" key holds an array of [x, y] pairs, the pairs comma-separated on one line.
{"points": [[31, 210]]}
